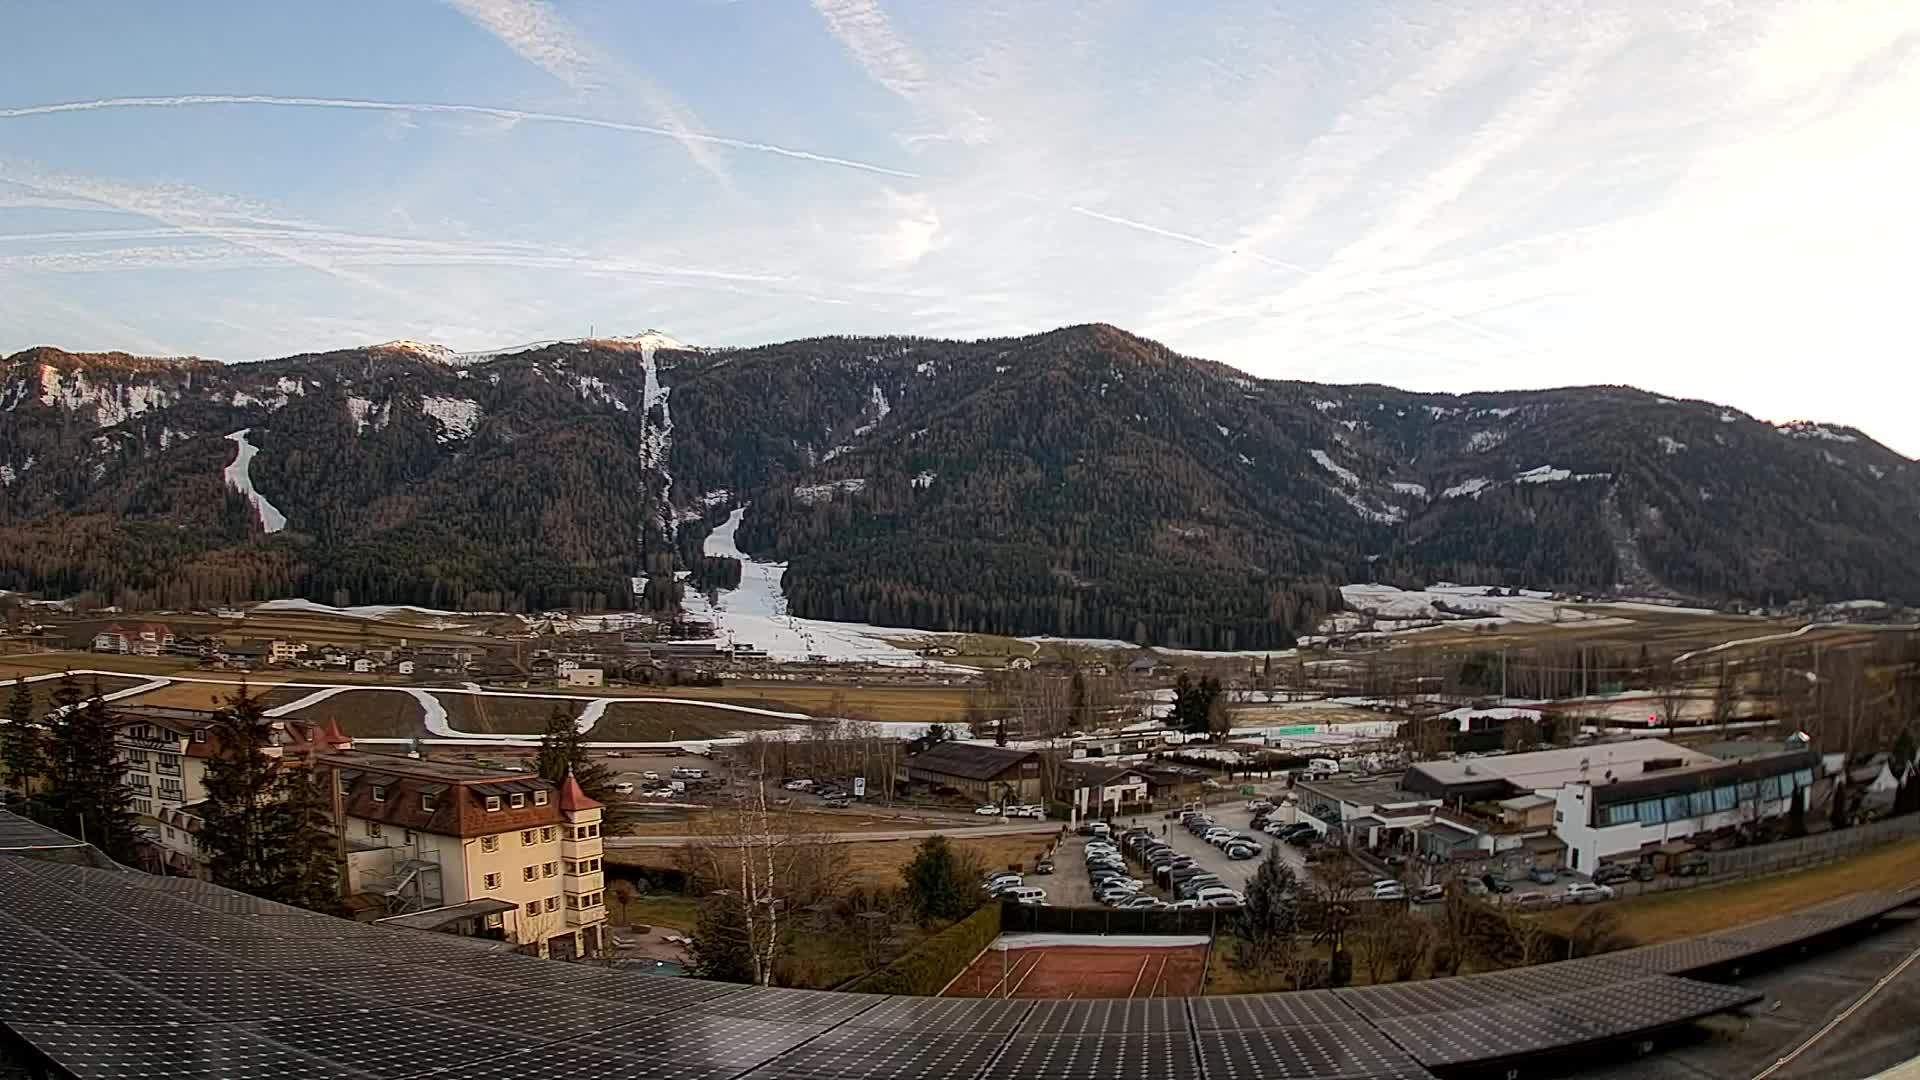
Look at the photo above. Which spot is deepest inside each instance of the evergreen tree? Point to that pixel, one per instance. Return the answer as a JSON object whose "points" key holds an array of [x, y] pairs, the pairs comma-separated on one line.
{"points": [[718, 948], [1797, 814], [940, 884], [562, 750], [1265, 926], [301, 828], [23, 752], [243, 790], [1193, 703], [86, 794]]}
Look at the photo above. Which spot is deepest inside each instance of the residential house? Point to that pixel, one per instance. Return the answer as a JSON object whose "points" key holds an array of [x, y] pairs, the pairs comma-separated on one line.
{"points": [[425, 836], [1145, 665], [580, 677], [1106, 791], [362, 665], [164, 754], [986, 774], [147, 639], [1020, 663], [284, 651]]}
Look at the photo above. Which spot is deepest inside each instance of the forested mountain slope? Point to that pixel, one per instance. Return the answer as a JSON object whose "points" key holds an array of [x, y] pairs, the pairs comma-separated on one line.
{"points": [[1082, 482]]}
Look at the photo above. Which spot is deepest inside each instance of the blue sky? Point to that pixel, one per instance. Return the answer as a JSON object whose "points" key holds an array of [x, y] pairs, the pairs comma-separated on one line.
{"points": [[1706, 198]]}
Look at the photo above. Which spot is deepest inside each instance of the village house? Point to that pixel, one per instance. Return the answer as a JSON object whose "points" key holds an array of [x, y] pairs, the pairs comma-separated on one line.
{"points": [[1106, 791], [985, 774], [147, 639]]}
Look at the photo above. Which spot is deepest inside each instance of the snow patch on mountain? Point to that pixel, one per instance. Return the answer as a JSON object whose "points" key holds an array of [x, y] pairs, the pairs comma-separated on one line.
{"points": [[1806, 429], [365, 414], [239, 476], [111, 403], [1404, 488], [1324, 405], [1547, 474], [1878, 472], [814, 493], [924, 480], [1440, 412], [458, 417], [1482, 441], [422, 349], [1391, 515], [1467, 488], [594, 388], [877, 403], [1670, 445], [1728, 418], [1345, 474], [7, 476]]}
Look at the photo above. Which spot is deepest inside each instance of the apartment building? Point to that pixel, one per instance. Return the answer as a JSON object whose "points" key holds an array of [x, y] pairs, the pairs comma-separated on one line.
{"points": [[147, 639], [164, 753], [513, 852]]}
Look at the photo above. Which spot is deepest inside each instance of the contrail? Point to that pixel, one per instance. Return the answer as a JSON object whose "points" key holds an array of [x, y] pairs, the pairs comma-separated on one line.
{"points": [[1200, 241], [438, 107]]}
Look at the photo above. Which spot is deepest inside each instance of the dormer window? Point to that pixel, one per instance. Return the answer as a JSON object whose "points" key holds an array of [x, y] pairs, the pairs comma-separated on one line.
{"points": [[200, 734], [517, 801], [426, 803], [379, 793], [539, 798], [493, 803], [346, 786]]}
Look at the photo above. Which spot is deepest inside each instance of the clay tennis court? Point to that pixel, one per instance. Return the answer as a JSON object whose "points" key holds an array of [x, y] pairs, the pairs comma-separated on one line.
{"points": [[1135, 967]]}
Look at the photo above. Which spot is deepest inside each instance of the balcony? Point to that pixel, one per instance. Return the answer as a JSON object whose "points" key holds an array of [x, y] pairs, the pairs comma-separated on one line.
{"points": [[583, 883], [586, 916]]}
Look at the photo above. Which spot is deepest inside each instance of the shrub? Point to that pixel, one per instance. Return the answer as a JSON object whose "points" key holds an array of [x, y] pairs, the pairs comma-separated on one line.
{"points": [[929, 968]]}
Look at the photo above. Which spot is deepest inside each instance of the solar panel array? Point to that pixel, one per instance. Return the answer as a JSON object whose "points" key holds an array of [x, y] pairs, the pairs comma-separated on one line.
{"points": [[113, 973], [1728, 949]]}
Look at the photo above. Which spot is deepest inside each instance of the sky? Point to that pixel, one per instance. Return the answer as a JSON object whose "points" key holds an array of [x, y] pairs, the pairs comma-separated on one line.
{"points": [[1709, 199]]}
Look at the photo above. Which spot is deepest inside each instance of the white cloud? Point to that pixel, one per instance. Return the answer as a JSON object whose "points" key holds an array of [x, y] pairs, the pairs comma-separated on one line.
{"points": [[870, 37]]}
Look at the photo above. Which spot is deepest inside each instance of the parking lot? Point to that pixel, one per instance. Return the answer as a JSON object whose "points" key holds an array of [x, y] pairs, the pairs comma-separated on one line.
{"points": [[1235, 872]]}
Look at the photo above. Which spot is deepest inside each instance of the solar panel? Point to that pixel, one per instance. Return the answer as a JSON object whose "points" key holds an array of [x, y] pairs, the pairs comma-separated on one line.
{"points": [[1356, 1051], [1529, 983], [19, 832], [855, 1053], [792, 1006], [1471, 1035], [1251, 1011], [1097, 1057], [253, 995], [394, 1042], [943, 1015], [724, 1042], [77, 994], [1413, 999], [1658, 1002], [540, 1014], [141, 1052], [1106, 1017]]}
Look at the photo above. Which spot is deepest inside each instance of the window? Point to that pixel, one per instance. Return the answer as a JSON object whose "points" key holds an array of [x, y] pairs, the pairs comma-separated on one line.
{"points": [[346, 786], [546, 834], [539, 798], [170, 787], [379, 793], [406, 836], [529, 872], [199, 734], [1701, 803], [1560, 817], [142, 806], [1749, 791], [493, 803], [516, 800], [549, 869], [1677, 807], [491, 881], [489, 844], [169, 833], [593, 830], [553, 903], [1803, 778], [373, 829], [593, 866], [533, 907], [1724, 797], [137, 758], [1618, 814], [529, 836], [426, 804], [1770, 788]]}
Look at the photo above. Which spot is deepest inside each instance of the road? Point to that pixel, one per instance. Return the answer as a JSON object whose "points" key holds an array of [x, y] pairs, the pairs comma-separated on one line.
{"points": [[1024, 828]]}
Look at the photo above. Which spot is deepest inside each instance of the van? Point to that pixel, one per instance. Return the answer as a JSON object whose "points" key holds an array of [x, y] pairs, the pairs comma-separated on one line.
{"points": [[1325, 765], [623, 788], [1099, 829], [1026, 894]]}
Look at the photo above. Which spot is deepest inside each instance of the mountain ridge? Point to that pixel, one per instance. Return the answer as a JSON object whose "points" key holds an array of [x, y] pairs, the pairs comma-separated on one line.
{"points": [[1083, 481]]}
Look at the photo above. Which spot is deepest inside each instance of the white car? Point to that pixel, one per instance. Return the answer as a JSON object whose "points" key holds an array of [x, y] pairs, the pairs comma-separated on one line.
{"points": [[987, 811], [623, 788], [797, 785], [1390, 891], [1581, 893], [650, 775]]}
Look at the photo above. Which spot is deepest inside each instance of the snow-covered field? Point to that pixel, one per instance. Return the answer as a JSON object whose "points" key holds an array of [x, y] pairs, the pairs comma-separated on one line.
{"points": [[756, 614], [240, 478]]}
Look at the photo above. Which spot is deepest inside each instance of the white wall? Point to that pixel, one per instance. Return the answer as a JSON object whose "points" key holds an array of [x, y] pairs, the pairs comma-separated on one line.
{"points": [[1595, 844]]}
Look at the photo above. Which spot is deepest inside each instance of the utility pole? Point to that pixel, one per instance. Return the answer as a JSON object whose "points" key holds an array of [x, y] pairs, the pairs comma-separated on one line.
{"points": [[1503, 672]]}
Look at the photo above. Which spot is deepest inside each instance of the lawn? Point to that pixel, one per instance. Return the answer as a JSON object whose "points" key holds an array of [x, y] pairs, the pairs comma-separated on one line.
{"points": [[369, 714], [871, 864], [908, 704], [650, 721], [503, 715], [1684, 913], [41, 663], [42, 691], [654, 909], [186, 695]]}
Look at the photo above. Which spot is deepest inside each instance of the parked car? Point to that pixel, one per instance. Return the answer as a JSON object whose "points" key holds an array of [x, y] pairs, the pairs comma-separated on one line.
{"points": [[1135, 903], [1495, 884], [1542, 875], [622, 788], [1026, 895], [1044, 866], [1643, 871], [1238, 850], [1474, 886], [1578, 893], [797, 785], [838, 802], [987, 811], [650, 775], [1432, 894], [1528, 900], [1612, 874]]}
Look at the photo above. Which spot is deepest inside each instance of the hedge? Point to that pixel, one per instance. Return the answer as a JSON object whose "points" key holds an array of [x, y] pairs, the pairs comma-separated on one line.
{"points": [[928, 969]]}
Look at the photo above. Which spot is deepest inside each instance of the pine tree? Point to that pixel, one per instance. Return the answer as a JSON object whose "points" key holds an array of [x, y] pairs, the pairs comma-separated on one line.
{"points": [[243, 790], [939, 881], [563, 751], [302, 830], [23, 752], [1266, 925], [718, 947], [86, 794]]}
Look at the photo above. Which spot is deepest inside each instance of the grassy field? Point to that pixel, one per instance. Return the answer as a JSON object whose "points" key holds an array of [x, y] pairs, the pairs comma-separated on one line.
{"points": [[42, 691], [908, 704], [874, 864], [42, 663], [648, 721], [204, 695], [1684, 913], [836, 823], [654, 909], [501, 715], [370, 714]]}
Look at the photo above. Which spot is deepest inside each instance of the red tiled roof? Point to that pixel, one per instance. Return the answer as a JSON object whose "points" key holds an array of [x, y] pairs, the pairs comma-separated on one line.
{"points": [[572, 799]]}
